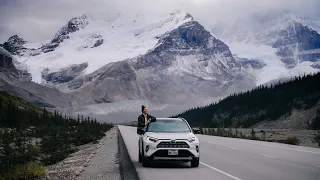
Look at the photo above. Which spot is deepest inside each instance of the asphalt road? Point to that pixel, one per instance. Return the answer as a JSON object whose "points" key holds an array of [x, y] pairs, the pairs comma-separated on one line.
{"points": [[233, 159]]}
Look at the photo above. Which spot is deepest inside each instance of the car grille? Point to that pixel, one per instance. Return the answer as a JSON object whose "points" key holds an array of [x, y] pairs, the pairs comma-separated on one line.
{"points": [[169, 144], [164, 153]]}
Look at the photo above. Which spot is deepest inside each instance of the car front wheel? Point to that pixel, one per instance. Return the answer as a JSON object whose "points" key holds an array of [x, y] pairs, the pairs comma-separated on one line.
{"points": [[140, 156], [145, 162], [195, 162]]}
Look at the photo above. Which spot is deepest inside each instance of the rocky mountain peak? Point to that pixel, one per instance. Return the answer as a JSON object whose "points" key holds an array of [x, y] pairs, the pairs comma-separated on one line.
{"points": [[188, 16], [15, 39], [188, 39], [75, 24], [14, 45], [297, 43]]}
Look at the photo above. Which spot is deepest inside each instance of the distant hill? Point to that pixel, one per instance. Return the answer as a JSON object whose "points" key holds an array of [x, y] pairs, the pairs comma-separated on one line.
{"points": [[292, 105]]}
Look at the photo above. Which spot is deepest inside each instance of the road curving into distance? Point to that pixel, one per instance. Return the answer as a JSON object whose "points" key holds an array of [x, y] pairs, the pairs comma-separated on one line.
{"points": [[233, 159]]}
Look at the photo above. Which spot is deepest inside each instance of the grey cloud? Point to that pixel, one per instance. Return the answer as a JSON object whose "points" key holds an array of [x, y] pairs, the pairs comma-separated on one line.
{"points": [[38, 20]]}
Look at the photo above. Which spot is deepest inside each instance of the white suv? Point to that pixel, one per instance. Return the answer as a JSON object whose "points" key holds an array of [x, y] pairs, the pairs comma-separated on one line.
{"points": [[169, 139]]}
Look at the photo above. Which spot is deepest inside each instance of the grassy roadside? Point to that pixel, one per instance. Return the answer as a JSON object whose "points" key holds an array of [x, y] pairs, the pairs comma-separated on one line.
{"points": [[32, 137], [29, 161], [310, 138]]}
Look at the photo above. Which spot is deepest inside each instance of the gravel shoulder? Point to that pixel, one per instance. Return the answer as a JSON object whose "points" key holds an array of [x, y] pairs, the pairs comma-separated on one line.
{"points": [[105, 163], [92, 161]]}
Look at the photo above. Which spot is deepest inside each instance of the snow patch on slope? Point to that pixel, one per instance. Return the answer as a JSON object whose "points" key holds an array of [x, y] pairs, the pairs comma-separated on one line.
{"points": [[274, 69], [124, 36]]}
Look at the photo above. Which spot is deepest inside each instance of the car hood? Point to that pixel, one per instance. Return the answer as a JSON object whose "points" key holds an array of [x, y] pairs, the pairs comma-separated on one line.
{"points": [[170, 135]]}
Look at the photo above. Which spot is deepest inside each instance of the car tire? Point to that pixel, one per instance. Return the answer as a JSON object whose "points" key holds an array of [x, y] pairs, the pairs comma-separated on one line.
{"points": [[140, 156], [195, 162], [145, 162]]}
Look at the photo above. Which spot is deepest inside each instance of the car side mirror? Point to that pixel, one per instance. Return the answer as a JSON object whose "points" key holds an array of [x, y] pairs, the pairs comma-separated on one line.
{"points": [[195, 130]]}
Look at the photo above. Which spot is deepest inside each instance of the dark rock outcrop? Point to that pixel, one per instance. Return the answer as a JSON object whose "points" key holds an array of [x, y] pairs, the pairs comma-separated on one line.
{"points": [[14, 45], [251, 63], [8, 70], [64, 75]]}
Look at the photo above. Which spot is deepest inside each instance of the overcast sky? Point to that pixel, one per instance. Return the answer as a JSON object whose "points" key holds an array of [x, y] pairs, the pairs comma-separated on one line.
{"points": [[38, 20]]}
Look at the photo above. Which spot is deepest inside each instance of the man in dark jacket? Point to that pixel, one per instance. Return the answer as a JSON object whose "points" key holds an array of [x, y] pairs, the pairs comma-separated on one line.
{"points": [[144, 119]]}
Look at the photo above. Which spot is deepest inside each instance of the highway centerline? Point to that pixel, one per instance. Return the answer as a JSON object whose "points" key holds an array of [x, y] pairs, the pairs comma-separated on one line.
{"points": [[218, 170]]}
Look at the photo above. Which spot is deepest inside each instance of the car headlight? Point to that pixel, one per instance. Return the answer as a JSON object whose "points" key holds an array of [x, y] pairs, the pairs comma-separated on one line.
{"points": [[192, 139], [152, 139]]}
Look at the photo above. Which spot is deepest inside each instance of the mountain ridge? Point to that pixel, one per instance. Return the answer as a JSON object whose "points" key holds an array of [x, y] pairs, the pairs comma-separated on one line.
{"points": [[146, 61]]}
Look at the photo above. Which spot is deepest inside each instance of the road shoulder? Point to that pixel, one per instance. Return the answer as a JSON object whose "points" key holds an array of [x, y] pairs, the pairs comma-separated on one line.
{"points": [[91, 161]]}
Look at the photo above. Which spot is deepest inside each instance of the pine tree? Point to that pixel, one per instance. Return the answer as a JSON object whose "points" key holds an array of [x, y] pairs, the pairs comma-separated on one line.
{"points": [[253, 134], [317, 138]]}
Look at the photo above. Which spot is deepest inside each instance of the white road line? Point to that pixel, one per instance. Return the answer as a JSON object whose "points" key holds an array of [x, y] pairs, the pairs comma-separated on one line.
{"points": [[231, 148], [237, 149], [268, 145], [223, 146], [267, 156], [301, 150], [229, 175]]}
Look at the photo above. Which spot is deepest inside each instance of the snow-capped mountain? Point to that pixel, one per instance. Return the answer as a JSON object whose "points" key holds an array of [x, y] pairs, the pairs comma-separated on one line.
{"points": [[98, 40], [99, 62], [187, 63], [288, 44], [170, 62]]}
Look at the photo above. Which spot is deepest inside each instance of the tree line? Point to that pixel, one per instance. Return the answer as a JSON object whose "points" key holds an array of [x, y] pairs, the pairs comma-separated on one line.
{"points": [[32, 134], [264, 103]]}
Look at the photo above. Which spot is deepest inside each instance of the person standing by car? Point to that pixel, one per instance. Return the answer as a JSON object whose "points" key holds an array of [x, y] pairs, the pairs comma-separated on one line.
{"points": [[144, 119]]}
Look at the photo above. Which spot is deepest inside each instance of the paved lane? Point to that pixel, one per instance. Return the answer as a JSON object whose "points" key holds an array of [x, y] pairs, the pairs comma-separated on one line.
{"points": [[234, 159]]}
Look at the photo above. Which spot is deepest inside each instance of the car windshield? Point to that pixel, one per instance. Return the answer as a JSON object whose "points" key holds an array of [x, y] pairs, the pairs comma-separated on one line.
{"points": [[170, 126]]}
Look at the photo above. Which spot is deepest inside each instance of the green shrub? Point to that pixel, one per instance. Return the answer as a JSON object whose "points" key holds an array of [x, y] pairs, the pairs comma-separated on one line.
{"points": [[292, 140], [28, 171]]}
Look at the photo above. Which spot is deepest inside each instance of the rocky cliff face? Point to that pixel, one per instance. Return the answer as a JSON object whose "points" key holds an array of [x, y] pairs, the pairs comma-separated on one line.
{"points": [[15, 45], [8, 70], [297, 43], [19, 82], [64, 75]]}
